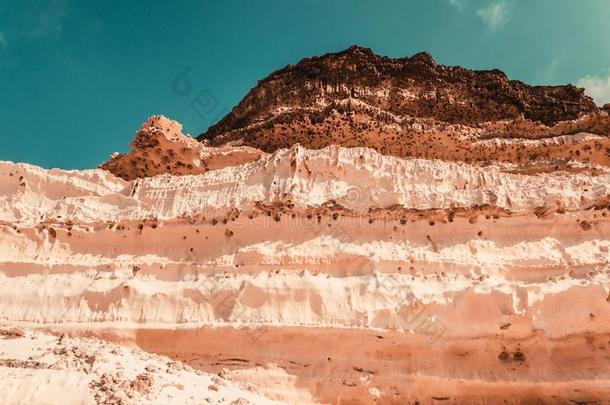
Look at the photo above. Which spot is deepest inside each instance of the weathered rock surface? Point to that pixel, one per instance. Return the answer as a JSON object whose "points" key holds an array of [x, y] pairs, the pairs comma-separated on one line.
{"points": [[413, 107], [160, 147], [325, 276]]}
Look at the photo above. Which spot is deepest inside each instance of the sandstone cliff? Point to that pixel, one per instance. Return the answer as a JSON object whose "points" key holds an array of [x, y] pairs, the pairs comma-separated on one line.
{"points": [[358, 230], [358, 276]]}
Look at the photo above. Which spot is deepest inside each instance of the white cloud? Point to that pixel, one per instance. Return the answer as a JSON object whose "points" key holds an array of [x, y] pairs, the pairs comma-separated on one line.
{"points": [[458, 3], [3, 42], [598, 87], [495, 16]]}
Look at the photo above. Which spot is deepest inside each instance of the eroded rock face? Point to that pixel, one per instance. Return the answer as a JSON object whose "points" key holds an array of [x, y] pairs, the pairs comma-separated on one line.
{"points": [[324, 274], [417, 108], [359, 276], [160, 147]]}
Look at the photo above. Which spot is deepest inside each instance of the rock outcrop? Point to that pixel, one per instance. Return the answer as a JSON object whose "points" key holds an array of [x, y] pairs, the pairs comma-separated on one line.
{"points": [[413, 107], [161, 147]]}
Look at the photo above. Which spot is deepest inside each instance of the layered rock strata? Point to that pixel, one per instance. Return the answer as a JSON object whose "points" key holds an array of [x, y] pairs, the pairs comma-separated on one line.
{"points": [[337, 275]]}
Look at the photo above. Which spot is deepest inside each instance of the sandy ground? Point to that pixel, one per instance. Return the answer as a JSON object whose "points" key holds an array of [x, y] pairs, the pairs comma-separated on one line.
{"points": [[39, 368]]}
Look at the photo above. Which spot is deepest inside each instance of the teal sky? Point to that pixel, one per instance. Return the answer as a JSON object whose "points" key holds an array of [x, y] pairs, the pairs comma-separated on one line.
{"points": [[77, 78]]}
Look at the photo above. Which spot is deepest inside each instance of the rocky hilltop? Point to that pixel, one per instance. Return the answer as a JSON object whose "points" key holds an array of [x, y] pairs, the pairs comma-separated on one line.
{"points": [[414, 107]]}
